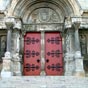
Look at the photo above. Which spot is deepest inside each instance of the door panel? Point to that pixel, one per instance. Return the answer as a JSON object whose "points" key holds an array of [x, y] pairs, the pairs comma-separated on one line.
{"points": [[53, 54], [32, 51]]}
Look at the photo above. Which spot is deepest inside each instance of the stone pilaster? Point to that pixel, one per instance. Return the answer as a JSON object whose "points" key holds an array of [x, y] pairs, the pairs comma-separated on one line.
{"points": [[16, 57], [69, 55], [79, 70]]}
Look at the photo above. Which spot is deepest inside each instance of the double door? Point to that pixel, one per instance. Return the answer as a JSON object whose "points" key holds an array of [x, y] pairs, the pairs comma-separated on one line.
{"points": [[44, 50]]}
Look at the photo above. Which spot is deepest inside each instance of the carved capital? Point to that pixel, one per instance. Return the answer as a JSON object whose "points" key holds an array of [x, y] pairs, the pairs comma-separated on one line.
{"points": [[18, 24], [9, 21]]}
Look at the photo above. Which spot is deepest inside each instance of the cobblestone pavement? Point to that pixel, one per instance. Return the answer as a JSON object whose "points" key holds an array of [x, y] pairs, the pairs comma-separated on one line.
{"points": [[44, 82]]}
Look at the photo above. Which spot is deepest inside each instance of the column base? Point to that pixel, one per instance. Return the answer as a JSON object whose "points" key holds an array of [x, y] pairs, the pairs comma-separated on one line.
{"points": [[68, 73], [79, 70], [42, 73], [6, 74], [17, 73], [79, 74]]}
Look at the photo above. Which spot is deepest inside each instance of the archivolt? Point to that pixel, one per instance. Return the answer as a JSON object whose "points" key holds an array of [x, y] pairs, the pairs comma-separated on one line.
{"points": [[24, 8]]}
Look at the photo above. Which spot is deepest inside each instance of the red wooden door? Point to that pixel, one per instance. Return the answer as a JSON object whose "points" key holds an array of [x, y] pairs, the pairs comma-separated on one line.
{"points": [[53, 54], [32, 49]]}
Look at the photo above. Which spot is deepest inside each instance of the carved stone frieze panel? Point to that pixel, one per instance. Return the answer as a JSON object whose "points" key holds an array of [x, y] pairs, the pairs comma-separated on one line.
{"points": [[43, 15]]}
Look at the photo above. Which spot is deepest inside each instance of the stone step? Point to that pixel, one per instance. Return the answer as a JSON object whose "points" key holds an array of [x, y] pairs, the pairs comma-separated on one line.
{"points": [[44, 82]]}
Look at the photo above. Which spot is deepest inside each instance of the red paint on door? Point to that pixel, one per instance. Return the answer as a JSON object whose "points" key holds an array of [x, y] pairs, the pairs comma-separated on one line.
{"points": [[53, 54], [32, 55]]}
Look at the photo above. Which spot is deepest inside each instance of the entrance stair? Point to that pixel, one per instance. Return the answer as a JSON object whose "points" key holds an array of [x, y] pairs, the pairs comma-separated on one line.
{"points": [[44, 82]]}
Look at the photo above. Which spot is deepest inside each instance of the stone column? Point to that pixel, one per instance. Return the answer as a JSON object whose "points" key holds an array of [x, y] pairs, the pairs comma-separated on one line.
{"points": [[76, 35], [79, 70], [6, 71]]}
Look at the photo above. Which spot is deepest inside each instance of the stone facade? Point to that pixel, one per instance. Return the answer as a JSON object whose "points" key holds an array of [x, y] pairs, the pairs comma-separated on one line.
{"points": [[20, 17]]}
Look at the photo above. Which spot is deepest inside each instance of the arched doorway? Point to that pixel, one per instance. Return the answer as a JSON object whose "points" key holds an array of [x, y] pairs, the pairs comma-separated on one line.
{"points": [[43, 43], [42, 16]]}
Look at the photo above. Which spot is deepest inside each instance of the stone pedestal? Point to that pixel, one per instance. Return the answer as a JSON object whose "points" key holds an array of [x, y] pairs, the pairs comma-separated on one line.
{"points": [[6, 70], [69, 64], [79, 70], [17, 68]]}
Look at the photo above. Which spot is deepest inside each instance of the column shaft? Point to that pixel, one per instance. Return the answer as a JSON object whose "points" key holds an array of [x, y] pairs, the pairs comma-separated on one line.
{"points": [[77, 43], [9, 40]]}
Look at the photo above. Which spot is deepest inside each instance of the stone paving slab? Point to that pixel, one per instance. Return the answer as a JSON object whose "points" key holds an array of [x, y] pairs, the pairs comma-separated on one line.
{"points": [[44, 82]]}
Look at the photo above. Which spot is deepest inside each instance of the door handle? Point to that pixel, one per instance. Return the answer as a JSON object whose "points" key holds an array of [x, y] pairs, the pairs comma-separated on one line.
{"points": [[38, 60], [47, 60]]}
